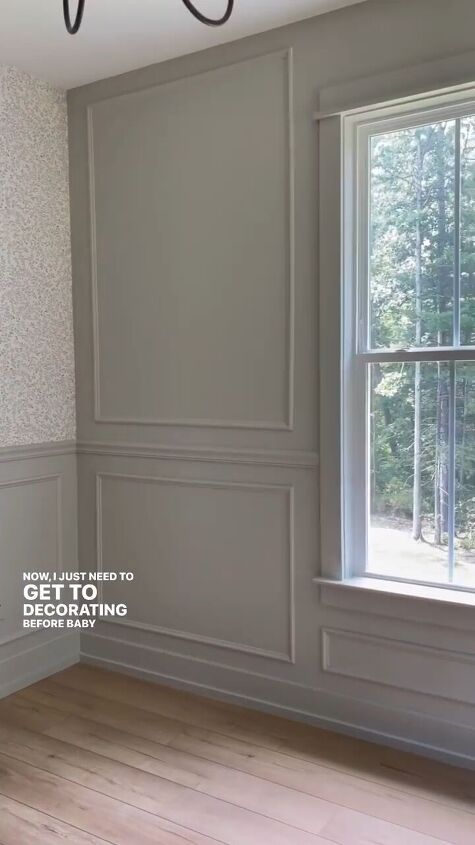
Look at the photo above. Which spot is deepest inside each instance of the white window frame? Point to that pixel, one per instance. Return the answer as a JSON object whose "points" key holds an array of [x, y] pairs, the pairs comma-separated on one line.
{"points": [[357, 127]]}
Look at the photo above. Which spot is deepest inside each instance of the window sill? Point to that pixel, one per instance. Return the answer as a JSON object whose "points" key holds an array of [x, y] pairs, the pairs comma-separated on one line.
{"points": [[398, 588]]}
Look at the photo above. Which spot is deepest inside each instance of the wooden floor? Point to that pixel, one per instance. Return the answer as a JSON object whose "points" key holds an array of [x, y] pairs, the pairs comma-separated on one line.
{"points": [[90, 757]]}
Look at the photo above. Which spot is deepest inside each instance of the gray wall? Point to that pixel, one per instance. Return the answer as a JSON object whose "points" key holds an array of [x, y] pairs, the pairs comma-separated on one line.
{"points": [[195, 193]]}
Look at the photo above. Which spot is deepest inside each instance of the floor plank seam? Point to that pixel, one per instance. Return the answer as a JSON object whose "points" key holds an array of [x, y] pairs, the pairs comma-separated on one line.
{"points": [[268, 748], [157, 815], [146, 764]]}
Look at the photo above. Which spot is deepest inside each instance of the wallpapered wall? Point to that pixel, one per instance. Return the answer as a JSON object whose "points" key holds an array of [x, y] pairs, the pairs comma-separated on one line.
{"points": [[37, 392]]}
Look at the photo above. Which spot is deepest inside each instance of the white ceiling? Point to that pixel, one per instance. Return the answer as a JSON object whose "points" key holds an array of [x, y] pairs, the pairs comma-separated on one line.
{"points": [[119, 35]]}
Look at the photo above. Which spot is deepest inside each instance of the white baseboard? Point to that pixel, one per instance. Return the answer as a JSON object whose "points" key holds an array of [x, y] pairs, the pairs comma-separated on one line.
{"points": [[339, 725], [29, 661]]}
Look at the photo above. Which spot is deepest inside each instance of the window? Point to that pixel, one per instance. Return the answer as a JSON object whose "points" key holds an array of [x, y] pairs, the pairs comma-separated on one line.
{"points": [[409, 342]]}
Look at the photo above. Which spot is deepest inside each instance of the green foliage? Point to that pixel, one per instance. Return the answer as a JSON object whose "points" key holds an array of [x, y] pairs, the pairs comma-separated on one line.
{"points": [[411, 270]]}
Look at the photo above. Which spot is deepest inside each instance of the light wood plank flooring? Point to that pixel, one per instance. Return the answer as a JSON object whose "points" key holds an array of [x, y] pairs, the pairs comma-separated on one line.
{"points": [[90, 757]]}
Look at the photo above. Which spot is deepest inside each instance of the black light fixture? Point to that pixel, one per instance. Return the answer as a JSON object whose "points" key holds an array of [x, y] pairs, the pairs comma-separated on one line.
{"points": [[73, 28]]}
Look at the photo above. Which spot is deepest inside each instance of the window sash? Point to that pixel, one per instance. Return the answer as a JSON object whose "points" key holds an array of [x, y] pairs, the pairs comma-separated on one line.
{"points": [[357, 353], [419, 353], [358, 135]]}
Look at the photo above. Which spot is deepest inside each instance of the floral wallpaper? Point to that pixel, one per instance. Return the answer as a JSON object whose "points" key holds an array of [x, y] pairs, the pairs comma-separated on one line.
{"points": [[37, 392]]}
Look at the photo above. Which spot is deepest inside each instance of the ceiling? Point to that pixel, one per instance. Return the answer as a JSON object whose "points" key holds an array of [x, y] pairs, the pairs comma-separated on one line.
{"points": [[119, 35]]}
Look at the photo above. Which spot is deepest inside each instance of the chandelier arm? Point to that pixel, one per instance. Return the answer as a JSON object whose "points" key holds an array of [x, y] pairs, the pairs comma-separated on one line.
{"points": [[210, 21], [73, 28]]}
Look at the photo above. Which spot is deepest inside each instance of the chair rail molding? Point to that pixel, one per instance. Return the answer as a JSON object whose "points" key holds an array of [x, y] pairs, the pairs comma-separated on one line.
{"points": [[298, 459]]}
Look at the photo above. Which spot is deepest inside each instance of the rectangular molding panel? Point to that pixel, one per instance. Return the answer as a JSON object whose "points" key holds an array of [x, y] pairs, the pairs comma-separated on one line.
{"points": [[38, 532], [213, 560], [181, 308], [406, 666]]}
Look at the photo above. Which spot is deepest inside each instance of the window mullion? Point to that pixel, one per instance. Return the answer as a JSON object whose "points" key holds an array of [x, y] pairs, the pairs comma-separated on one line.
{"points": [[422, 354], [451, 472]]}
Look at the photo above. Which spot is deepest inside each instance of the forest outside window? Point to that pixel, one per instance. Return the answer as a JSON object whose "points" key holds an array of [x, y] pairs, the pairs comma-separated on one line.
{"points": [[409, 339]]}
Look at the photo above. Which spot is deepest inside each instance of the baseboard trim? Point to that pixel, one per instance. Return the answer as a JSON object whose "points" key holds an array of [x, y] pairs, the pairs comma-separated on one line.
{"points": [[347, 728], [28, 665]]}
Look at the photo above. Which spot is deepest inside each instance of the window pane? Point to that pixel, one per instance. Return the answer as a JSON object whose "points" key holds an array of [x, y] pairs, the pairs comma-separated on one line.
{"points": [[411, 235], [467, 233], [464, 572], [409, 466], [409, 463]]}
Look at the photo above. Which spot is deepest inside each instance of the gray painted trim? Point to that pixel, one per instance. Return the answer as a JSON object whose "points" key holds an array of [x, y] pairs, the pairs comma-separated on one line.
{"points": [[59, 566], [298, 459], [296, 711], [265, 425], [330, 336], [287, 657], [28, 665], [37, 450], [401, 83], [24, 655], [228, 645], [40, 479], [410, 606], [374, 673], [294, 459]]}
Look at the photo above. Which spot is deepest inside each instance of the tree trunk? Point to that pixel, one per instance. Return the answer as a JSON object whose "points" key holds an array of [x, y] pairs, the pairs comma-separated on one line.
{"points": [[416, 494], [444, 455], [463, 434], [437, 508], [442, 409]]}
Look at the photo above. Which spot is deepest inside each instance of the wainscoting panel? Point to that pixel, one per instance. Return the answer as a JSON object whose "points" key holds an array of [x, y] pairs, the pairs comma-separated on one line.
{"points": [[38, 531], [213, 560], [221, 554], [403, 665], [192, 250], [31, 538]]}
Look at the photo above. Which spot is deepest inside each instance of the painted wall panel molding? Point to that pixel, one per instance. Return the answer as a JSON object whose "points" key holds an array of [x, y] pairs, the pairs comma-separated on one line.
{"points": [[39, 548], [38, 532], [196, 289], [405, 666], [228, 593]]}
